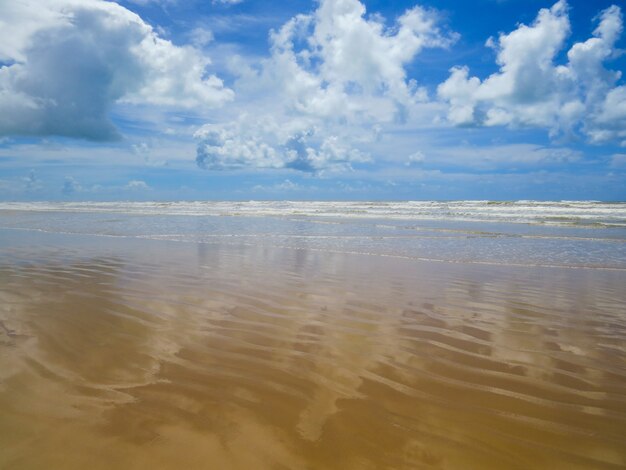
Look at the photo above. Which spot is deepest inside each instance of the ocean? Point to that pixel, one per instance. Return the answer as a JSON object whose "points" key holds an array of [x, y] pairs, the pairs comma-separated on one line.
{"points": [[577, 234]]}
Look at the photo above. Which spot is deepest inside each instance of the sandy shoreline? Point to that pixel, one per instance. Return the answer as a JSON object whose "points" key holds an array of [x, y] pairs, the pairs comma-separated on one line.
{"points": [[128, 353]]}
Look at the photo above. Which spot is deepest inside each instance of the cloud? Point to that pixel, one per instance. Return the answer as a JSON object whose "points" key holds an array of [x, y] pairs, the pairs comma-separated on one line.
{"points": [[137, 185], [266, 144], [31, 182], [146, 2], [70, 186], [70, 61], [498, 157], [286, 185], [415, 158], [200, 37], [149, 154], [333, 78], [224, 147], [337, 62], [531, 89], [618, 160], [227, 2], [165, 2]]}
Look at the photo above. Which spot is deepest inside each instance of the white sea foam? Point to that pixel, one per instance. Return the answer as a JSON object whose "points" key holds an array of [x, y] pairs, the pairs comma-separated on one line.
{"points": [[565, 213]]}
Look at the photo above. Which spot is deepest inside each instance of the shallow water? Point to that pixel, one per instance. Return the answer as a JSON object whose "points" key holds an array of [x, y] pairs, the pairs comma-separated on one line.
{"points": [[555, 213], [133, 353], [582, 240]]}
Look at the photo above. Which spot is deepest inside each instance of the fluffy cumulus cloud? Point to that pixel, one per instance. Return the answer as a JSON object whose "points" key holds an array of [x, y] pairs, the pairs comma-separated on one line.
{"points": [[532, 89], [349, 65], [334, 76], [65, 63], [268, 144]]}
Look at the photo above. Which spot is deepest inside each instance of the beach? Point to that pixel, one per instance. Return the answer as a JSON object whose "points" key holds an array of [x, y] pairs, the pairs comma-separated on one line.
{"points": [[313, 335]]}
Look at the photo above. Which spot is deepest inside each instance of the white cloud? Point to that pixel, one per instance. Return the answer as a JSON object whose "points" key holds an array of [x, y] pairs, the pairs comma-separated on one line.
{"points": [[225, 147], [165, 2], [333, 79], [286, 185], [415, 159], [31, 182], [337, 62], [618, 160], [227, 2], [137, 185], [609, 119], [150, 155], [70, 186], [508, 156], [531, 89], [70, 61], [200, 37], [267, 144]]}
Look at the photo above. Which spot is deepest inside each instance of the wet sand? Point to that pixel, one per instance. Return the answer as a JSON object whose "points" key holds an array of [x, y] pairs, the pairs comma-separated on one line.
{"points": [[136, 354]]}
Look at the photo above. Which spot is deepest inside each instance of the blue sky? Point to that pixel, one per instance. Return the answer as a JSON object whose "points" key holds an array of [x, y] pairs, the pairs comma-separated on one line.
{"points": [[330, 99]]}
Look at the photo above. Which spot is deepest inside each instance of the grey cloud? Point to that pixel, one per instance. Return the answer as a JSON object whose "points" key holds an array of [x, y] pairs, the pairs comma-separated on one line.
{"points": [[73, 67], [69, 82]]}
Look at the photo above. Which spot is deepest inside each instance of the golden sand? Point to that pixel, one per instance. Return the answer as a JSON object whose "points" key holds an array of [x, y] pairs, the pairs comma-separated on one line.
{"points": [[155, 355]]}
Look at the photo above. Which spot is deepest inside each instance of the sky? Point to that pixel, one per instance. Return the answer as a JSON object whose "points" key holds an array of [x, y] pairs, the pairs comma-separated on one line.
{"points": [[313, 100]]}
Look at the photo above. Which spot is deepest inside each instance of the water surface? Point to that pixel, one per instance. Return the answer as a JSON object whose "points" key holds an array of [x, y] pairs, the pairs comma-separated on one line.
{"points": [[135, 341]]}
